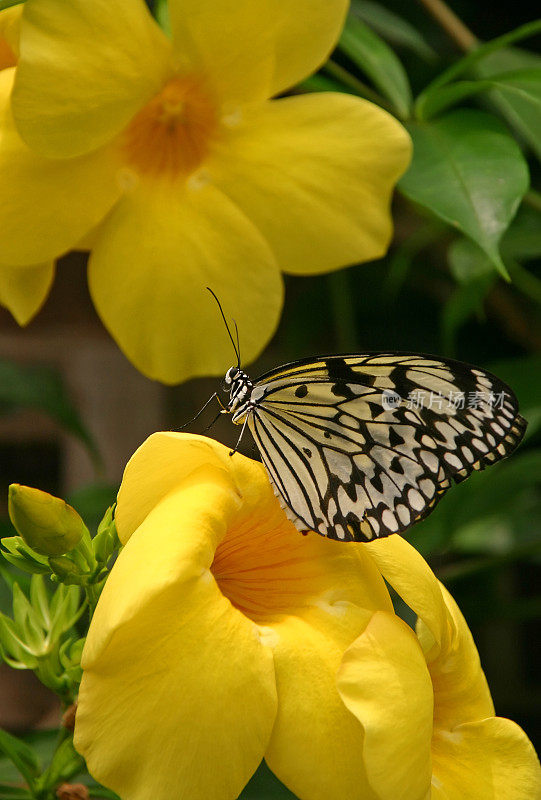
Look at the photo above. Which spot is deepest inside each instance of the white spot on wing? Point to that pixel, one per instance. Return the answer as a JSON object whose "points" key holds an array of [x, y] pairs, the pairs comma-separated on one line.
{"points": [[416, 500]]}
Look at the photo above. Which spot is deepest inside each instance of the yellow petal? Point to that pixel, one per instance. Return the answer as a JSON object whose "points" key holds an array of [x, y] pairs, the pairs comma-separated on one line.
{"points": [[23, 290], [157, 252], [10, 19], [460, 688], [47, 205], [337, 575], [85, 69], [315, 174], [492, 759], [253, 49], [385, 683], [316, 743], [411, 577], [162, 463], [178, 696]]}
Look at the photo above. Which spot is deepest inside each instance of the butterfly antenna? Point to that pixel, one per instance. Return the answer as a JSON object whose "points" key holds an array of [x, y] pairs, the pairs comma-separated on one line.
{"points": [[238, 343], [235, 348]]}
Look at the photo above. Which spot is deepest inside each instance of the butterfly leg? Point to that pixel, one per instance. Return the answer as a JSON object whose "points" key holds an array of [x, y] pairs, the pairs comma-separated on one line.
{"points": [[209, 401], [232, 452]]}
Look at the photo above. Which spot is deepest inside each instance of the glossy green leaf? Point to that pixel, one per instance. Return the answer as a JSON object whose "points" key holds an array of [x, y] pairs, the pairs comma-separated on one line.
{"points": [[520, 91], [378, 61], [468, 262], [394, 28], [469, 172]]}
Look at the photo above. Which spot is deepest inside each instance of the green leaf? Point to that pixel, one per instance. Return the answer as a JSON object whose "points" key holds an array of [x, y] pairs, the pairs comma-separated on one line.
{"points": [[394, 28], [40, 600], [475, 57], [16, 552], [160, 9], [468, 262], [470, 173], [8, 3], [321, 83], [42, 388], [21, 755], [519, 91], [65, 764], [518, 97], [378, 61]]}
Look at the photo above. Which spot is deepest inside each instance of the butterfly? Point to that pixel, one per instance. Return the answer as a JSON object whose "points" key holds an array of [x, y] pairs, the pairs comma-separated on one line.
{"points": [[362, 446]]}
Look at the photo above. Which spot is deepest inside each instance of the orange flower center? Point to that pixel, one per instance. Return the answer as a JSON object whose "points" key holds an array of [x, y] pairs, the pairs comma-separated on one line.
{"points": [[172, 135], [266, 571], [7, 56]]}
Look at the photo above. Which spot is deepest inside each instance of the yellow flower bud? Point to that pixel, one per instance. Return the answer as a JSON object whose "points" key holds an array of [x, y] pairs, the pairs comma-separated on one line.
{"points": [[46, 523]]}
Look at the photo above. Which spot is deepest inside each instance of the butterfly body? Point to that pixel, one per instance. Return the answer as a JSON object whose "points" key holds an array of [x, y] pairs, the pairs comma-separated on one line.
{"points": [[353, 455]]}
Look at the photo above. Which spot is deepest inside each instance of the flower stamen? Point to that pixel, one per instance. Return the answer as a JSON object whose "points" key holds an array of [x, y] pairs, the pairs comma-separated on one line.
{"points": [[172, 135]]}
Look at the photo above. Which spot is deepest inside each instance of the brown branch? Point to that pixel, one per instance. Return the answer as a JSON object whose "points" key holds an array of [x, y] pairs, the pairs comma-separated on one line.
{"points": [[451, 24]]}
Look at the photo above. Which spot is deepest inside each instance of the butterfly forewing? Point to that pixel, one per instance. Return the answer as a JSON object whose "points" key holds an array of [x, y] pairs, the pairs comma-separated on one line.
{"points": [[362, 446]]}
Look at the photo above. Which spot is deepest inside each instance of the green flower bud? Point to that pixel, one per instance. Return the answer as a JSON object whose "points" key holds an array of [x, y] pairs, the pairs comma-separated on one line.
{"points": [[46, 523], [64, 568]]}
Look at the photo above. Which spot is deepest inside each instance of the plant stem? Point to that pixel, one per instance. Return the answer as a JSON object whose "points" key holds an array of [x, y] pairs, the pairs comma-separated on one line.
{"points": [[533, 199], [451, 24]]}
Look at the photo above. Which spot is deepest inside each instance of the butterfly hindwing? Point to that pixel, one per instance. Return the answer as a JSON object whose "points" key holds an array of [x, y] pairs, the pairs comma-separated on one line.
{"points": [[355, 452]]}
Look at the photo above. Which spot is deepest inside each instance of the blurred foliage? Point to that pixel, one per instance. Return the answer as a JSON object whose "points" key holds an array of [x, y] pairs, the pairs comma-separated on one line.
{"points": [[41, 388]]}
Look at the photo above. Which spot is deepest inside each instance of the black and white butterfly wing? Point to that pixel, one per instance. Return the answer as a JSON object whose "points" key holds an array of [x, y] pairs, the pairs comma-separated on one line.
{"points": [[363, 446]]}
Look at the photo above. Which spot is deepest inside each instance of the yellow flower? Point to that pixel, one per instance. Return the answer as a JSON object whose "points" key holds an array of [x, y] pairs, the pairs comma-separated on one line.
{"points": [[218, 635], [430, 732], [22, 289], [169, 152]]}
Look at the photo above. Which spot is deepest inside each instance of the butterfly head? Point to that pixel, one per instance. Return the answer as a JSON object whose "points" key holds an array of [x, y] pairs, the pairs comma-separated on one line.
{"points": [[239, 386]]}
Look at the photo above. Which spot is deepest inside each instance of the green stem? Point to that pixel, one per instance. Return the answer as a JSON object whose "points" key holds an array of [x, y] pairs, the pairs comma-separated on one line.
{"points": [[93, 592], [451, 24], [356, 85]]}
